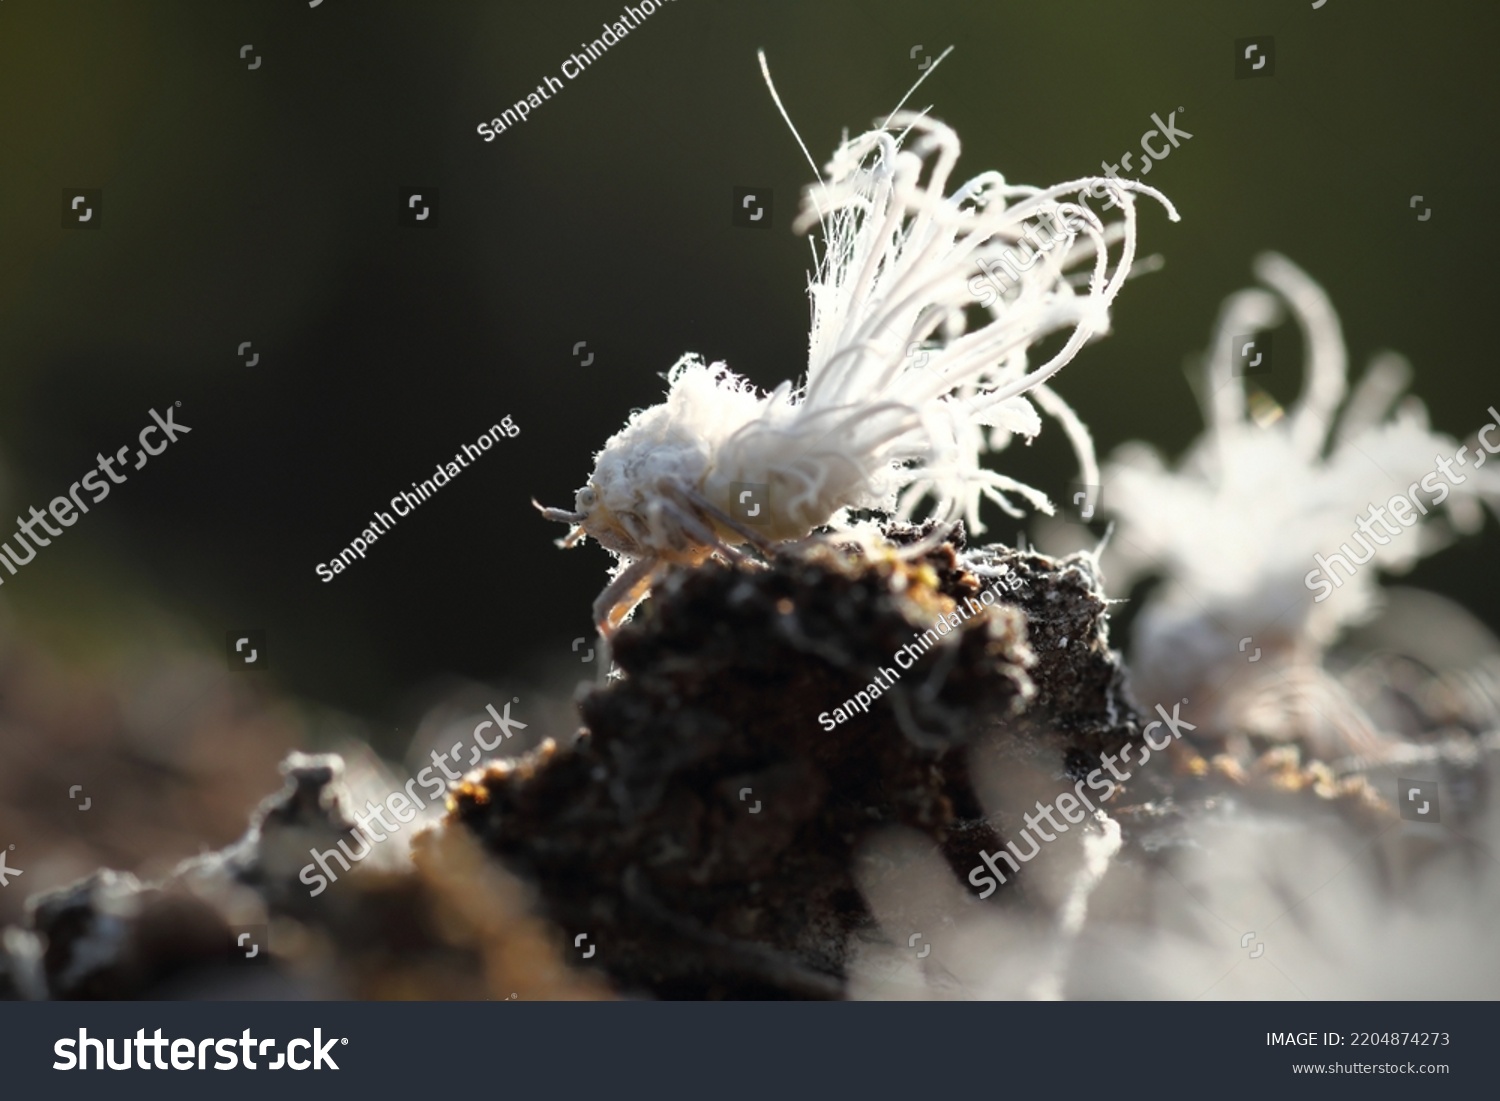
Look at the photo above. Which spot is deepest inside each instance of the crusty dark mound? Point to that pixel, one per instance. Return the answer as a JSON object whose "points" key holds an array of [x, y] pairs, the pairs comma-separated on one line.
{"points": [[702, 832]]}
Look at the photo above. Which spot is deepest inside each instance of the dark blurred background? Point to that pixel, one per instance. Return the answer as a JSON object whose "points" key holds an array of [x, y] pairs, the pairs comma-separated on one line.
{"points": [[260, 205]]}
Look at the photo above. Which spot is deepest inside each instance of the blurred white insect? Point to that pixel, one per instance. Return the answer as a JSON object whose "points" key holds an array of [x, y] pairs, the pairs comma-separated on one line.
{"points": [[1235, 529], [873, 426]]}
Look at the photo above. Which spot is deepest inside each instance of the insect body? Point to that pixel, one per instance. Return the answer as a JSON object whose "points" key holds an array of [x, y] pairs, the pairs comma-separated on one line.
{"points": [[925, 306]]}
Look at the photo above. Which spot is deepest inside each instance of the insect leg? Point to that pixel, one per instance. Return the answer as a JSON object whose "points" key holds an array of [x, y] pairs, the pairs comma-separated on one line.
{"points": [[696, 500], [571, 538], [690, 522], [621, 595]]}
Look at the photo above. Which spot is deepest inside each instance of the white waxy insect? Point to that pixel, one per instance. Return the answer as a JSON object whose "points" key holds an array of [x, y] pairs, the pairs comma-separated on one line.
{"points": [[925, 305]]}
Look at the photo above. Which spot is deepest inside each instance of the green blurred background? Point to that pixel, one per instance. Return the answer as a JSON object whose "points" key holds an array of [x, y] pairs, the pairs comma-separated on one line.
{"points": [[260, 205]]}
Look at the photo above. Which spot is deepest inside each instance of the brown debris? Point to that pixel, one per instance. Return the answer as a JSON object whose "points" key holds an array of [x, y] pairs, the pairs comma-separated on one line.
{"points": [[702, 834], [453, 927]]}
